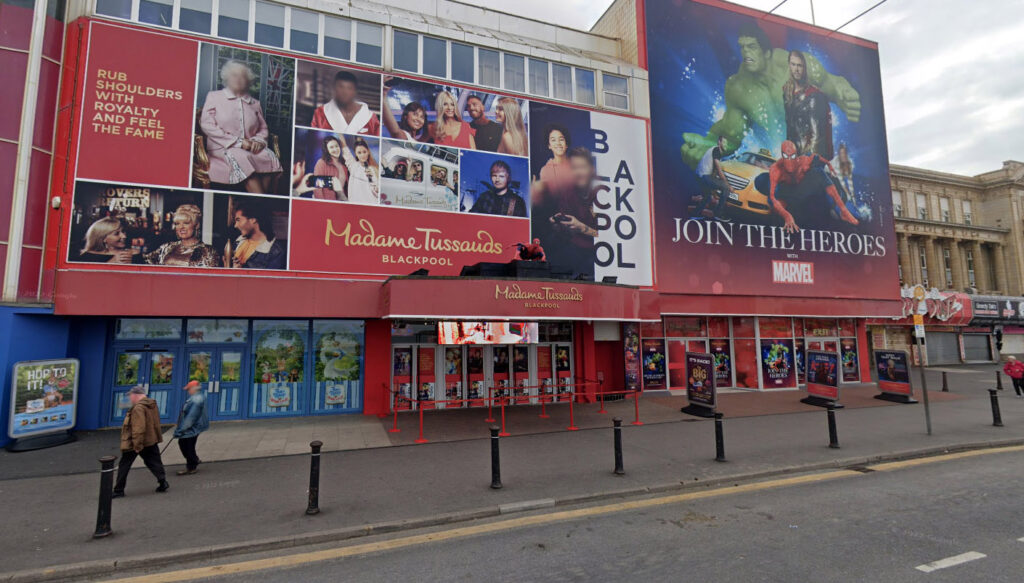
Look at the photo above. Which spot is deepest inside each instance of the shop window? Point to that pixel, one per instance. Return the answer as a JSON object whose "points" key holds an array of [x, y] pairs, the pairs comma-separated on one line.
{"points": [[676, 326], [555, 331], [405, 49], [515, 73], [847, 327], [745, 362], [114, 8], [147, 329], [539, 77], [158, 12], [616, 91], [414, 332], [820, 327], [775, 327], [269, 24], [337, 38], [369, 42], [337, 365], [652, 330], [462, 62], [489, 64], [849, 359], [778, 363], [233, 19], [585, 90], [718, 326], [279, 367], [435, 57], [196, 16], [127, 372], [562, 77], [199, 366], [305, 31], [217, 331], [743, 327]]}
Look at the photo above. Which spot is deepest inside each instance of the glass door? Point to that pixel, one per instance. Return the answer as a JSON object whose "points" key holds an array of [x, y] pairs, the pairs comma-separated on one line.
{"points": [[501, 370], [476, 377], [402, 396], [454, 377], [220, 372], [153, 369], [522, 377]]}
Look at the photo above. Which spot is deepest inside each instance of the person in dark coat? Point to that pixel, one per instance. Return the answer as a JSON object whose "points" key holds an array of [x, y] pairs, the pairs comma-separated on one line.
{"points": [[140, 436]]}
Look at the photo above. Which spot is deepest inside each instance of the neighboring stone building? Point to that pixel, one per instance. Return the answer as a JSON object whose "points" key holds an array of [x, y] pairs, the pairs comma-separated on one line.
{"points": [[962, 233]]}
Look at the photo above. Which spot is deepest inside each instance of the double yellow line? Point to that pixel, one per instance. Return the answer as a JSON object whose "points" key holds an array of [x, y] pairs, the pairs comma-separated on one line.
{"points": [[298, 559]]}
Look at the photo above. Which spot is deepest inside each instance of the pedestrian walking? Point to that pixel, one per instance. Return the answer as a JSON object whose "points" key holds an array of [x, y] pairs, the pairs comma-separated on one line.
{"points": [[140, 434], [1015, 370], [191, 422]]}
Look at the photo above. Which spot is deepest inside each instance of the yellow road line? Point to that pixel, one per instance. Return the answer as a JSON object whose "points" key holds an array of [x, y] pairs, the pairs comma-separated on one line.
{"points": [[298, 559], [467, 531]]}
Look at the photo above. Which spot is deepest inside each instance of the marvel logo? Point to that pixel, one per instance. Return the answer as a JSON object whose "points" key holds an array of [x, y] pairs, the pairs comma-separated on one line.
{"points": [[799, 272]]}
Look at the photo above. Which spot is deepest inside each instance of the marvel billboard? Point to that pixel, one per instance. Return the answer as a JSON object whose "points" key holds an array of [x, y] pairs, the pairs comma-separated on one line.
{"points": [[226, 157], [770, 162]]}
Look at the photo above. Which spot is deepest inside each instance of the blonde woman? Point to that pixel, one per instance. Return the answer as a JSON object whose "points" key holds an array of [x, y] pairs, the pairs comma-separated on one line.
{"points": [[513, 139], [449, 129], [188, 250], [106, 242], [363, 173]]}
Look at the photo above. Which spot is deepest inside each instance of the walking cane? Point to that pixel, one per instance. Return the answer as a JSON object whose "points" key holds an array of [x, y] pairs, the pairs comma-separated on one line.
{"points": [[168, 445]]}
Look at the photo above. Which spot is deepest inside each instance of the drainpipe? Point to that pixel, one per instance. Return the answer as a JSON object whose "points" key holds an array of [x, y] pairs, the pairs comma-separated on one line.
{"points": [[24, 155]]}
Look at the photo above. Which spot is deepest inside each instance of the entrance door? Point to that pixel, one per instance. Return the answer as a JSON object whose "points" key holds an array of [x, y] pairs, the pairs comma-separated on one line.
{"points": [[454, 376], [154, 369], [220, 372], [500, 359]]}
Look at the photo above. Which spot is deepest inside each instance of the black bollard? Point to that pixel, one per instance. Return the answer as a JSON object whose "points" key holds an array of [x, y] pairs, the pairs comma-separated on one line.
{"points": [[719, 439], [106, 491], [617, 428], [495, 459], [999, 380], [314, 478], [945, 383], [997, 418], [833, 435]]}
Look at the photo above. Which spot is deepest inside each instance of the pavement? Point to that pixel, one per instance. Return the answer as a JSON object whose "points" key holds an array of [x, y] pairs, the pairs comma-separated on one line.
{"points": [[249, 504]]}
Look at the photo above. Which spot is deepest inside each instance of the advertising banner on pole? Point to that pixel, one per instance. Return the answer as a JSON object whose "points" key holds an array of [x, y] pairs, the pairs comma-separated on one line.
{"points": [[43, 397]]}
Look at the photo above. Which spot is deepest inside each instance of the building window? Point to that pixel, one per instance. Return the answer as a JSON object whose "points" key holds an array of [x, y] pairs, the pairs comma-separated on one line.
{"points": [[269, 24], [946, 264], [435, 57], [970, 269], [115, 8], [924, 264], [305, 31], [489, 68], [922, 207], [369, 42], [899, 265], [616, 91], [233, 20], [515, 73], [585, 92], [539, 78], [158, 12], [968, 215], [462, 63], [562, 77], [897, 204], [196, 16], [337, 38], [406, 52], [944, 209]]}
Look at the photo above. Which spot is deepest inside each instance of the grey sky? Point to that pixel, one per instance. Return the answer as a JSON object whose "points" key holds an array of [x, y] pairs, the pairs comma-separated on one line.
{"points": [[952, 70]]}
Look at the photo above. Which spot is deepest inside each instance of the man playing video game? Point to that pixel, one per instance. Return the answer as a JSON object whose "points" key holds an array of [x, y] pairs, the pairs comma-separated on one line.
{"points": [[797, 183]]}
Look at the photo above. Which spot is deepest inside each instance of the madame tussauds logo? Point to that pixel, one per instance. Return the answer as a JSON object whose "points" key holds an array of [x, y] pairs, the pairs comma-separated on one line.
{"points": [[425, 239], [544, 294]]}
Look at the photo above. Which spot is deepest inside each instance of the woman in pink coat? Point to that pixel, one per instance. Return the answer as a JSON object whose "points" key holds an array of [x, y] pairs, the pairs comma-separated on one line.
{"points": [[236, 134]]}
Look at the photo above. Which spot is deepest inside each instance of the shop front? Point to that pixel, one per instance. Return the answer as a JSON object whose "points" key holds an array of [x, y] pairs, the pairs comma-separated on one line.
{"points": [[946, 318]]}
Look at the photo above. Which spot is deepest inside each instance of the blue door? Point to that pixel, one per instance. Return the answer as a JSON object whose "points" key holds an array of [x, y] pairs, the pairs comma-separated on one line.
{"points": [[220, 370], [157, 370]]}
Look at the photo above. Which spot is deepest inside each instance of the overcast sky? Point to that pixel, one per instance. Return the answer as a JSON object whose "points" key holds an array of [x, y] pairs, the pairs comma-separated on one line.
{"points": [[952, 70]]}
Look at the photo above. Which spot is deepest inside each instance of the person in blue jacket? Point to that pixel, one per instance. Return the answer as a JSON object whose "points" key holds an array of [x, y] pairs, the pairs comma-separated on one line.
{"points": [[191, 422]]}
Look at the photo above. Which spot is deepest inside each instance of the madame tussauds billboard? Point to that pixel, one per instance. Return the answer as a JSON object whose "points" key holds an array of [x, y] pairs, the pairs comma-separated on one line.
{"points": [[770, 162]]}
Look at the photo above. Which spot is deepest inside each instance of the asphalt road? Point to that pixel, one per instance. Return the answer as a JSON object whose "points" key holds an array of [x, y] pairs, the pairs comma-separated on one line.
{"points": [[873, 526]]}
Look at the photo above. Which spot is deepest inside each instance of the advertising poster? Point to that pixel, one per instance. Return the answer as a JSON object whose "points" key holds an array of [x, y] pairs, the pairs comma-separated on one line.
{"points": [[653, 353], [453, 376], [893, 372], [337, 368], [544, 370], [851, 364], [426, 377], [769, 152], [279, 364], [631, 354], [273, 162], [778, 369], [723, 362], [700, 380], [43, 394], [823, 374], [801, 360]]}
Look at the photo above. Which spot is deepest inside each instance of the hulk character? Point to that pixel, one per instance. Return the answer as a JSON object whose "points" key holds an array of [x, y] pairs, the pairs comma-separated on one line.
{"points": [[754, 96]]}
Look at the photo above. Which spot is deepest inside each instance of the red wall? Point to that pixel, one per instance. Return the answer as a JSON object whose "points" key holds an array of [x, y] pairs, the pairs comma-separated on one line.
{"points": [[610, 360]]}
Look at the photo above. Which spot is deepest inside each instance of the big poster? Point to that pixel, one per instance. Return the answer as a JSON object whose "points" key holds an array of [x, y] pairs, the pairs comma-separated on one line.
{"points": [[769, 154], [43, 394]]}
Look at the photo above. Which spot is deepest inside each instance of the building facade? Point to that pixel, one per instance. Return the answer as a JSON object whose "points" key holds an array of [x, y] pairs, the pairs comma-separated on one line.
{"points": [[322, 208]]}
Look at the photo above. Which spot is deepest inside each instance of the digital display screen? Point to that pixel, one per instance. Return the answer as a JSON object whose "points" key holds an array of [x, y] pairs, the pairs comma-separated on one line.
{"points": [[486, 332]]}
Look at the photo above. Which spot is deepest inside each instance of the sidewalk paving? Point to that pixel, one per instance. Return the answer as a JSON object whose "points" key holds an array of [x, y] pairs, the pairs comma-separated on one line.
{"points": [[49, 519]]}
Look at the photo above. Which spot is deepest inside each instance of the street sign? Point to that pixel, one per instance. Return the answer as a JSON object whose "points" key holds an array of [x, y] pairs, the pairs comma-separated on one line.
{"points": [[918, 320], [918, 331]]}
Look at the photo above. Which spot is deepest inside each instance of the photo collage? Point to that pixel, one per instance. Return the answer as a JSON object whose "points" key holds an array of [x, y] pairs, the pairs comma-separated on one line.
{"points": [[271, 129]]}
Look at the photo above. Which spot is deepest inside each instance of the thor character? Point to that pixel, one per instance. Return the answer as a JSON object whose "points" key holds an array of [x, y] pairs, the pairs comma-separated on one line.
{"points": [[344, 113]]}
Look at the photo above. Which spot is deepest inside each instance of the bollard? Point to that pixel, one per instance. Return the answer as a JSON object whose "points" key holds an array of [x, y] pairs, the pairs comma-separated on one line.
{"points": [[495, 460], [490, 405], [572, 415], [602, 410], [617, 428], [636, 409], [997, 418], [503, 432], [543, 407], [999, 380], [106, 492], [833, 435], [421, 439], [945, 383], [719, 439], [314, 478]]}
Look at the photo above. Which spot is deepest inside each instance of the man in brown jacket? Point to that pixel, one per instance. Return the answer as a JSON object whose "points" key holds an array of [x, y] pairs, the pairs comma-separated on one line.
{"points": [[140, 435]]}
